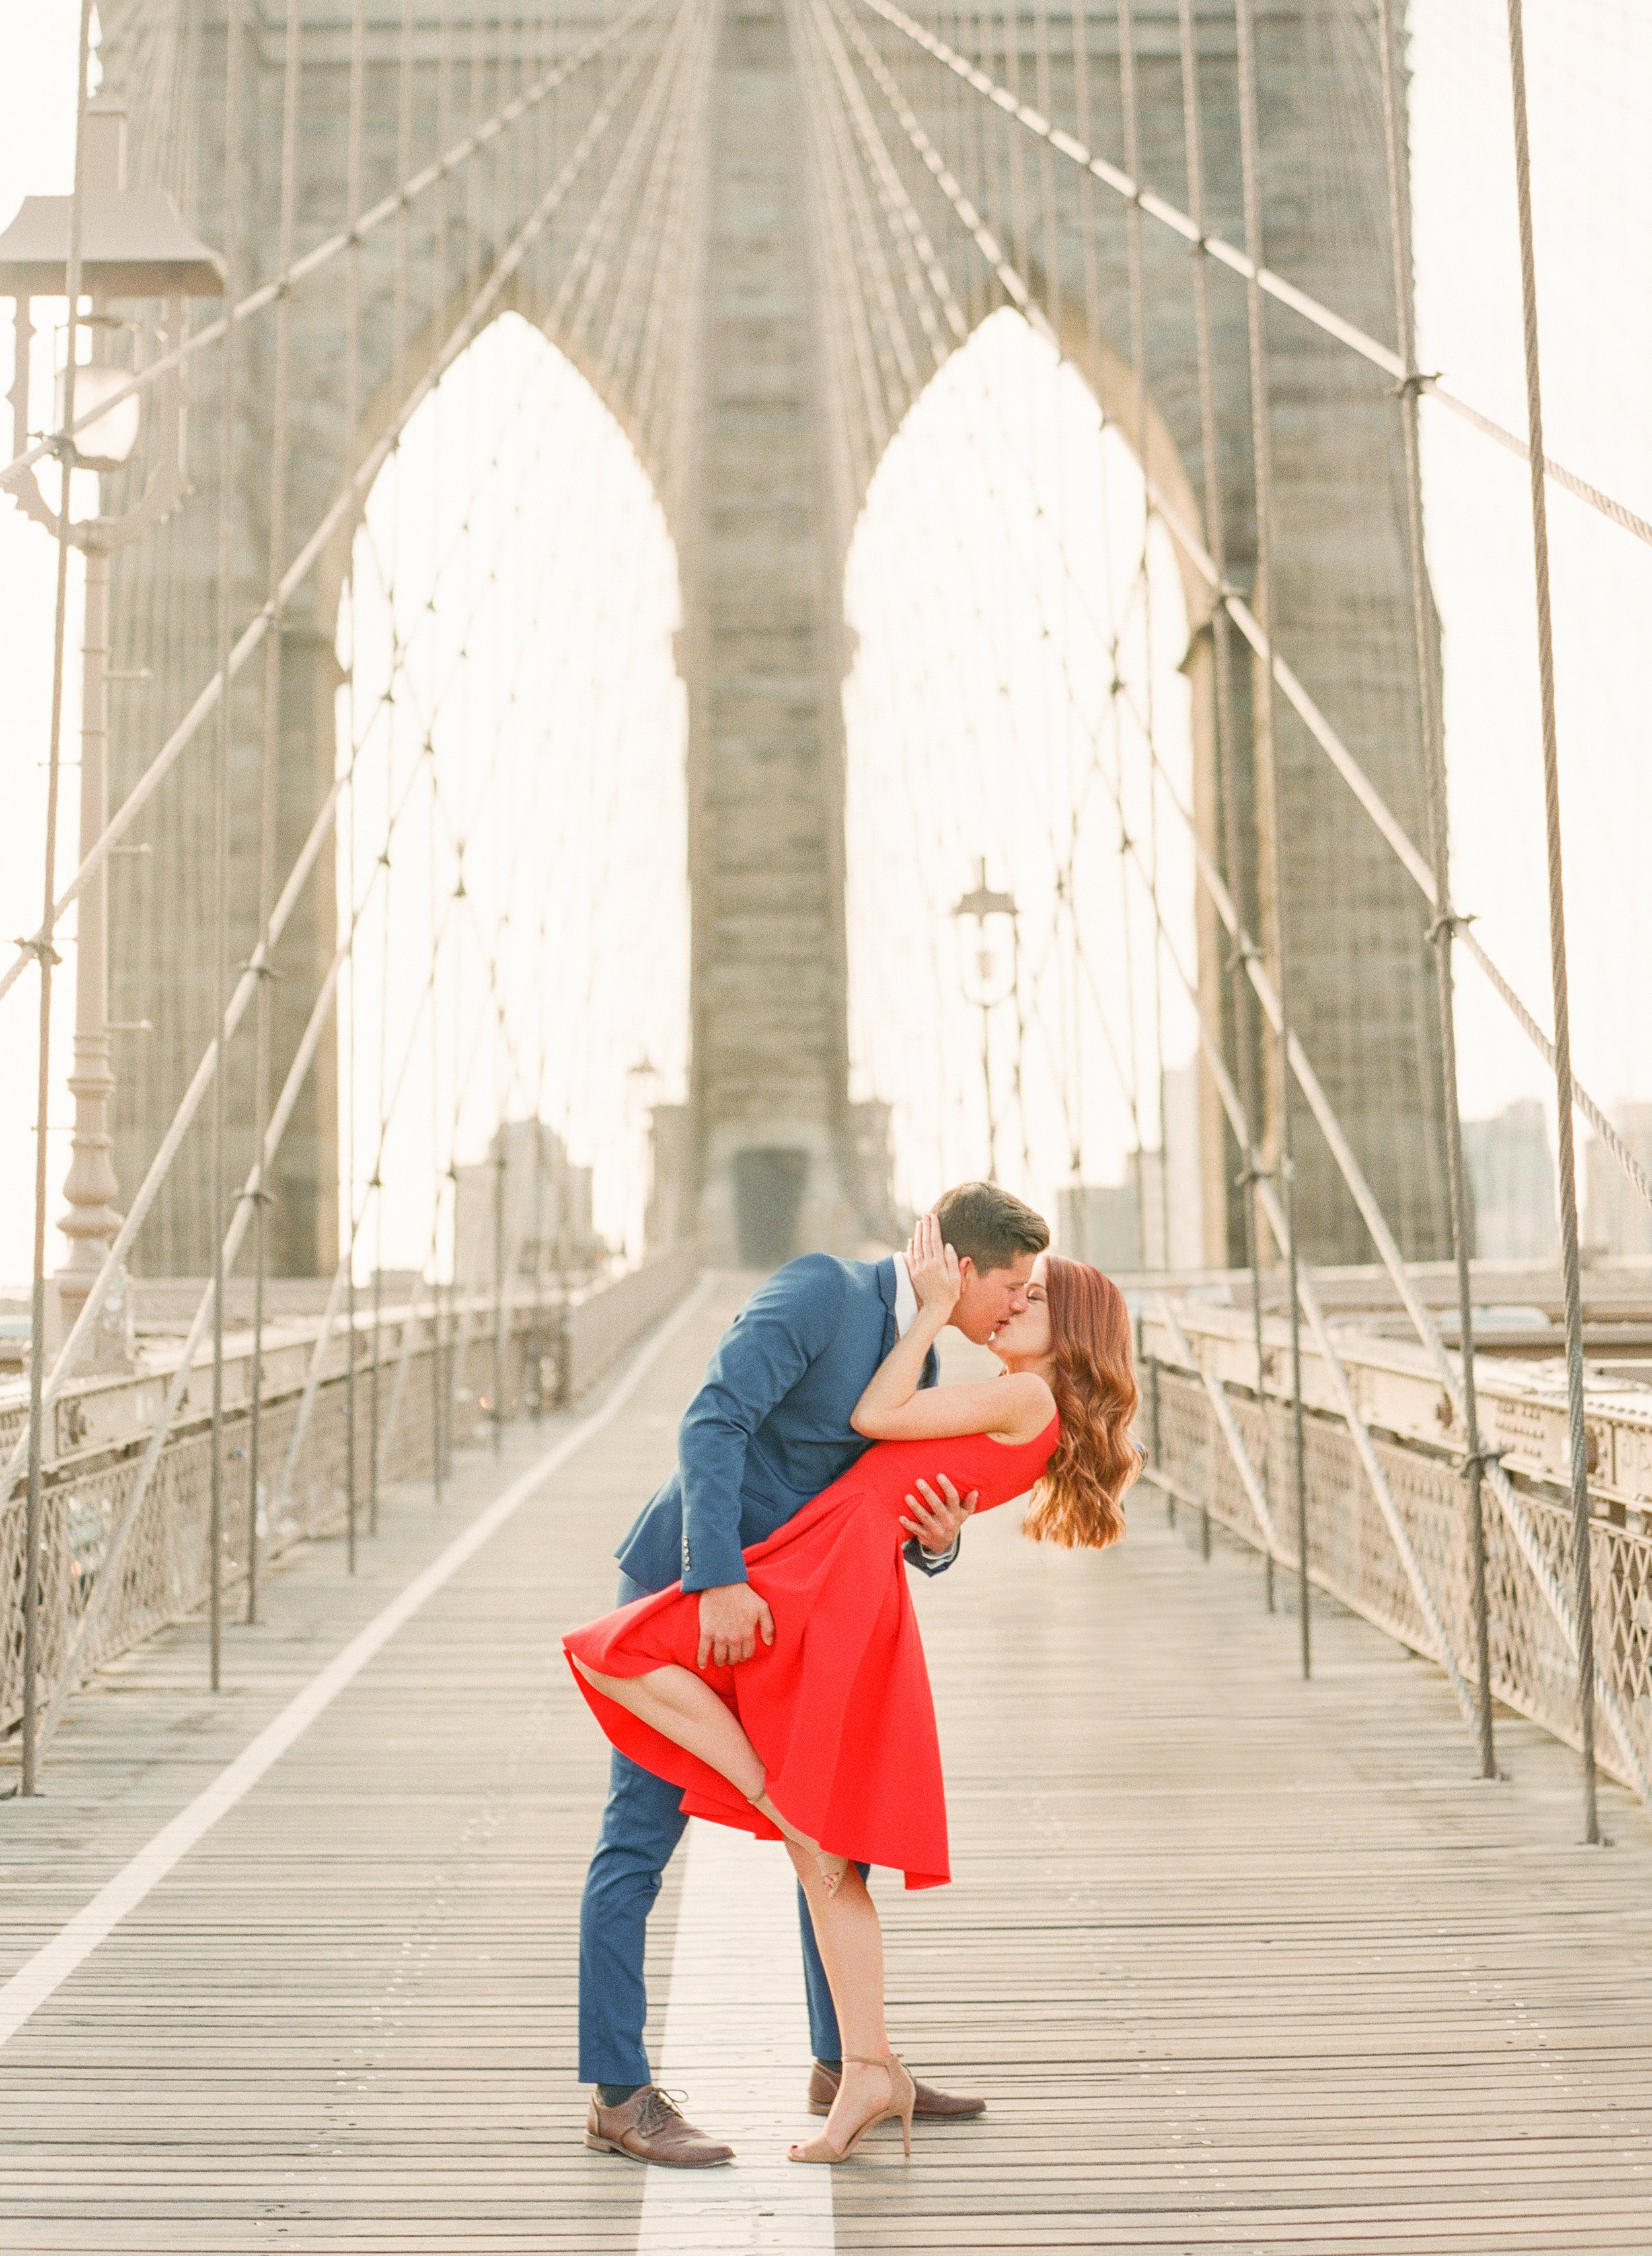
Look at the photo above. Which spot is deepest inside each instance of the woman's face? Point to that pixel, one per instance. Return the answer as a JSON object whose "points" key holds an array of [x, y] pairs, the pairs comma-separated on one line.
{"points": [[1025, 1339]]}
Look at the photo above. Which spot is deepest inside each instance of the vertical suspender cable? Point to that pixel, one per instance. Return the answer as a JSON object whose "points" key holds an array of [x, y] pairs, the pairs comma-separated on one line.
{"points": [[1227, 784], [46, 954], [1443, 931], [269, 759], [536, 1346], [438, 299], [232, 161], [437, 1176], [1138, 354], [352, 423], [398, 376], [458, 1355], [1269, 796], [501, 1161], [501, 1154], [1092, 288], [1569, 1255]]}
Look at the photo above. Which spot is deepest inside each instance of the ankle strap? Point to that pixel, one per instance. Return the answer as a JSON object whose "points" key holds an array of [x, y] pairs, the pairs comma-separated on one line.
{"points": [[872, 2059]]}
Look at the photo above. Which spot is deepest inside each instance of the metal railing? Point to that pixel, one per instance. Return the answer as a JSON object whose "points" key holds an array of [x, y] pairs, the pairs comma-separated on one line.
{"points": [[1213, 1440], [423, 1382]]}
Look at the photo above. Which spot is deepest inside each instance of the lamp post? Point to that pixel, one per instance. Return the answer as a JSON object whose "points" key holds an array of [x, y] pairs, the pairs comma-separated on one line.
{"points": [[988, 966], [133, 245], [644, 1081]]}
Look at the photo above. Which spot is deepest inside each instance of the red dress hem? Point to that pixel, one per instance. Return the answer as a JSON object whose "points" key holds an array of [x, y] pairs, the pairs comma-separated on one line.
{"points": [[839, 1706]]}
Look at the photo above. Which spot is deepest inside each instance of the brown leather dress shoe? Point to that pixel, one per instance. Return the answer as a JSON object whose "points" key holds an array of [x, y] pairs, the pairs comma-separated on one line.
{"points": [[649, 2128], [932, 2106]]}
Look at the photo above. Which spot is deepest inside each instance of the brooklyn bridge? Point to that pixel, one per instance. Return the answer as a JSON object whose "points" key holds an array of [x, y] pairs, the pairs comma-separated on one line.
{"points": [[659, 629]]}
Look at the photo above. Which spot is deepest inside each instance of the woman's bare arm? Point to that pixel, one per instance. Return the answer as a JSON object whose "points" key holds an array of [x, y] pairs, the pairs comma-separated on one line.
{"points": [[895, 1408], [1014, 1409]]}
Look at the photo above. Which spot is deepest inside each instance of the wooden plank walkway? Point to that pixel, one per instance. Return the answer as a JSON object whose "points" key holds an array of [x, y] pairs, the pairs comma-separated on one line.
{"points": [[1242, 1964]]}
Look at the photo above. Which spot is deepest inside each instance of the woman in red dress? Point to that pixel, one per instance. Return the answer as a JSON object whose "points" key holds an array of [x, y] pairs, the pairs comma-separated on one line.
{"points": [[826, 1738]]}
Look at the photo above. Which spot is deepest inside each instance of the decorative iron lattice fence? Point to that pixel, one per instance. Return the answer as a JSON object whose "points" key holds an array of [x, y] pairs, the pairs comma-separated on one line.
{"points": [[1353, 1556], [425, 1379]]}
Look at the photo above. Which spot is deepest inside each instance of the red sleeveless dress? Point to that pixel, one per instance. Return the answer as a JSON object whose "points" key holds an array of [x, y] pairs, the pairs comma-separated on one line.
{"points": [[839, 1706]]}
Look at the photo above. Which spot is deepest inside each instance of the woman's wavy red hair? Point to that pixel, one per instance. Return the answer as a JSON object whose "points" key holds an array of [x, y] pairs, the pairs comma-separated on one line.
{"points": [[1080, 1501]]}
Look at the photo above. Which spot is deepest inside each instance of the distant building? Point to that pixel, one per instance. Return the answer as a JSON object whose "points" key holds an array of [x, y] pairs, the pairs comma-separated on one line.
{"points": [[871, 1158], [669, 1218], [1618, 1220], [1511, 1177], [547, 1224], [1121, 1227], [1099, 1222], [1179, 1209]]}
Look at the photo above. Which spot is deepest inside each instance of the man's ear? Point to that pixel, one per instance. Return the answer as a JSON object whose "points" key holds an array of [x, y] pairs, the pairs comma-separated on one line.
{"points": [[966, 1270]]}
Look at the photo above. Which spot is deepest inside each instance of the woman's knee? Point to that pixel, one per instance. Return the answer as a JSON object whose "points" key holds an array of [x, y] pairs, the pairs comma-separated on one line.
{"points": [[619, 1688]]}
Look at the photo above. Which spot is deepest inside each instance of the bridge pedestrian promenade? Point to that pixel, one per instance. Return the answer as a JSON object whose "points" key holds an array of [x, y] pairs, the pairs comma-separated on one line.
{"points": [[1241, 1964]]}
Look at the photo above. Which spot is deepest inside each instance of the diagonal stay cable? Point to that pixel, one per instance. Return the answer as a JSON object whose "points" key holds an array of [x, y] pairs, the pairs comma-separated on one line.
{"points": [[427, 718], [1313, 1308], [1514, 1514], [202, 1080], [63, 1366], [108, 1572], [253, 974], [1308, 711], [348, 498], [1274, 1212], [1286, 293], [1392, 831], [315, 1368], [345, 240], [1515, 1517]]}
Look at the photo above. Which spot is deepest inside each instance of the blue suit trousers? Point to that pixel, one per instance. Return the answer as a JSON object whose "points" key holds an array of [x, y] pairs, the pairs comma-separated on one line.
{"points": [[641, 1826]]}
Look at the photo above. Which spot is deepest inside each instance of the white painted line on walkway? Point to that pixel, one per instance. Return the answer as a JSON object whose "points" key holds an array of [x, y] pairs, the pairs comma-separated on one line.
{"points": [[37, 1978], [737, 2047]]}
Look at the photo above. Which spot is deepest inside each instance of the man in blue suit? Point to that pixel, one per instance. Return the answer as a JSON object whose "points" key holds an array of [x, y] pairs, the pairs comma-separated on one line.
{"points": [[768, 1431]]}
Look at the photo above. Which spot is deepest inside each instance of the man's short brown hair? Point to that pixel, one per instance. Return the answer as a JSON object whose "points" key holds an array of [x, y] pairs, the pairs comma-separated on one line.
{"points": [[992, 1227]]}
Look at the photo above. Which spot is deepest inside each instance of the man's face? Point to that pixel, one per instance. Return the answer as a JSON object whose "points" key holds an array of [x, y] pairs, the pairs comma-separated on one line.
{"points": [[990, 1296]]}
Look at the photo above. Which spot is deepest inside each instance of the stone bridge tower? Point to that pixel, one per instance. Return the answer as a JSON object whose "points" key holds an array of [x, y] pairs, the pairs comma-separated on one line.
{"points": [[760, 488]]}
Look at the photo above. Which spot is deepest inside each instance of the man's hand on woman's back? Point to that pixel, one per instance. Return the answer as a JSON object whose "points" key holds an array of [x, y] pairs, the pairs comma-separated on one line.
{"points": [[938, 1521]]}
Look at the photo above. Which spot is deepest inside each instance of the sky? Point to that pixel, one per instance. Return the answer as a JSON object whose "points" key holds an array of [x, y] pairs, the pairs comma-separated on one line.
{"points": [[982, 725], [1000, 728], [1589, 70], [559, 728]]}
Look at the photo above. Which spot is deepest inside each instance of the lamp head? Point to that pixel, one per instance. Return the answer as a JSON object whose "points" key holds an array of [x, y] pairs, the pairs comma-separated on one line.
{"points": [[107, 441], [133, 243]]}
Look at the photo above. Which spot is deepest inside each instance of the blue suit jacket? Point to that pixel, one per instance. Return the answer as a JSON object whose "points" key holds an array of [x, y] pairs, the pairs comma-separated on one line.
{"points": [[769, 1428]]}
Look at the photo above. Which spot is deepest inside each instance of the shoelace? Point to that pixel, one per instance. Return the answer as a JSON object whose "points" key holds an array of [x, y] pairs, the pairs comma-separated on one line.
{"points": [[661, 2107]]}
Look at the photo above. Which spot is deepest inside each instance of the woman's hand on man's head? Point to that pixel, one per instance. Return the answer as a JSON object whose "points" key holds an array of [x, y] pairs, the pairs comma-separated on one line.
{"points": [[933, 1266]]}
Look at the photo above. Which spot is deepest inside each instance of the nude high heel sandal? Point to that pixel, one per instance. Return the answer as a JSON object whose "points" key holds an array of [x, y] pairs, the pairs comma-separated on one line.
{"points": [[903, 2094], [831, 1868]]}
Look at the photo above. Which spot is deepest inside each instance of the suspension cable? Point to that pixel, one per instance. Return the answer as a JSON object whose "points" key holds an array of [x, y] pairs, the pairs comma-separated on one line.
{"points": [[1227, 738], [340, 244], [234, 160], [1226, 254], [43, 952], [469, 325], [1426, 651], [1266, 755], [1577, 1427], [269, 751], [345, 503]]}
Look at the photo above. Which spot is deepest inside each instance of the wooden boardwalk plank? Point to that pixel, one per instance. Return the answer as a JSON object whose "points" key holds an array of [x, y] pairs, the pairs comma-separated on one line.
{"points": [[1243, 1964]]}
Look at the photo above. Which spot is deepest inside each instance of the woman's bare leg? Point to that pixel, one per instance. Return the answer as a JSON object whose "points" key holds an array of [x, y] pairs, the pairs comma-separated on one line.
{"points": [[683, 1707], [850, 1938]]}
